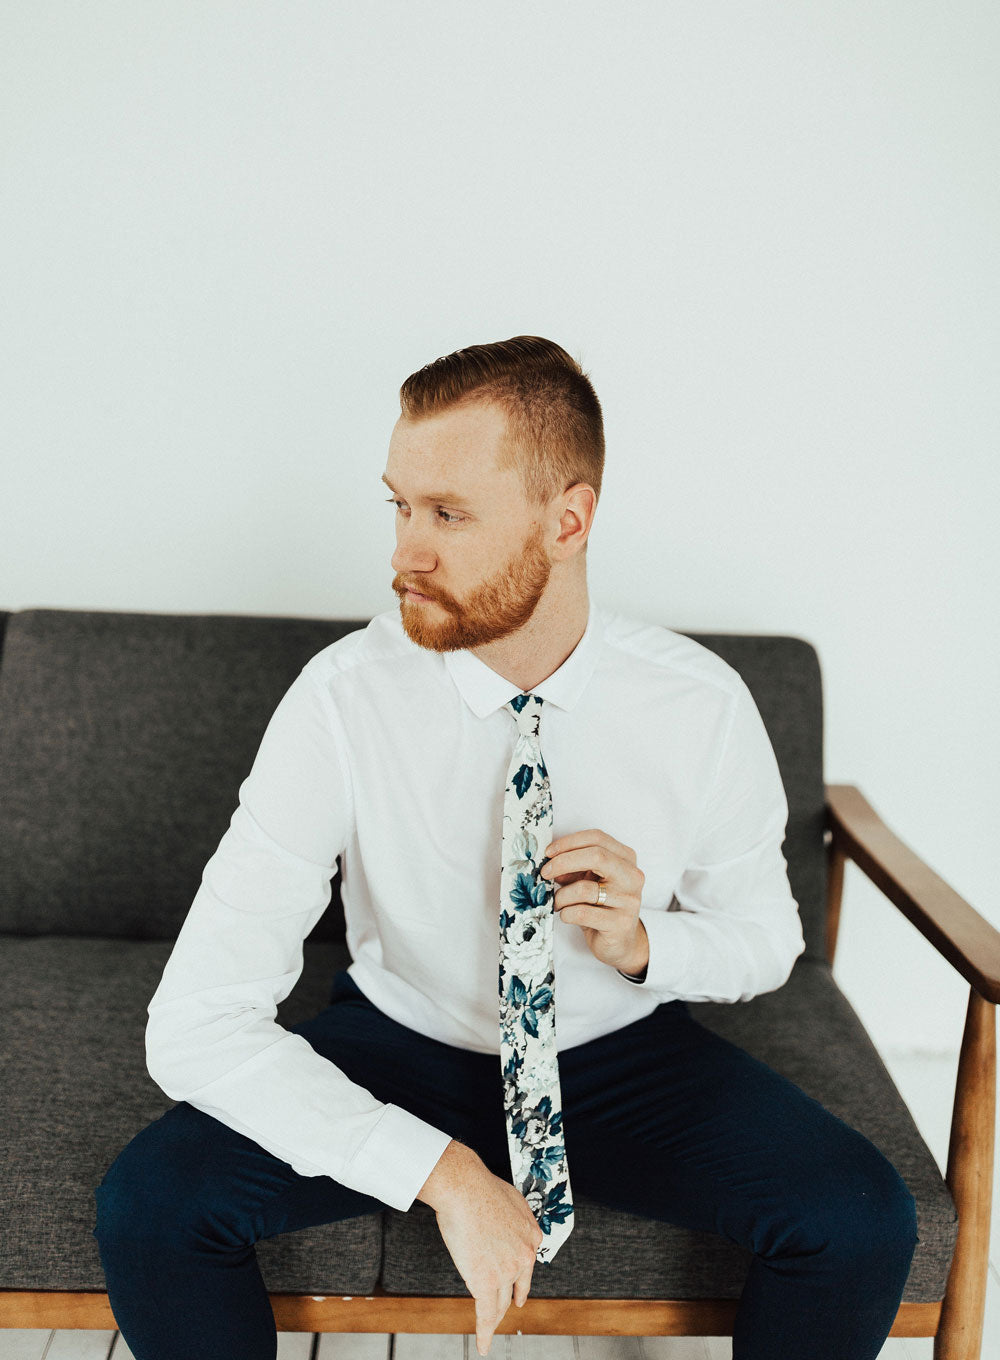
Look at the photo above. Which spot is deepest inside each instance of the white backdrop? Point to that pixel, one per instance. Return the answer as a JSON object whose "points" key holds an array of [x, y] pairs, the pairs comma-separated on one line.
{"points": [[768, 231]]}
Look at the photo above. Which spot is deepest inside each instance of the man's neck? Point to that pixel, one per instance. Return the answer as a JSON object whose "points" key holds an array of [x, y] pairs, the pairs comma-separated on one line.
{"points": [[531, 654]]}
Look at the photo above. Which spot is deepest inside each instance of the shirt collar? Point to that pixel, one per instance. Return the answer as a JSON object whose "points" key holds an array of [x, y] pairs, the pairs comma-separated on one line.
{"points": [[485, 690]]}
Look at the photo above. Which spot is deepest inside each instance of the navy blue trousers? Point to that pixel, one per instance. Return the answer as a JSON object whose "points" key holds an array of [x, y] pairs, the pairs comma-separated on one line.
{"points": [[662, 1118]]}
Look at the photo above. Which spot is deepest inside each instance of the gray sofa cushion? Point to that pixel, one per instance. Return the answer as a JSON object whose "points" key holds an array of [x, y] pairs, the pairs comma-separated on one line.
{"points": [[124, 739], [72, 1066], [72, 1015]]}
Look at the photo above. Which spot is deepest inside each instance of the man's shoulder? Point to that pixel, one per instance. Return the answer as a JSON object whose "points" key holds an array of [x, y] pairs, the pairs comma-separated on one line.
{"points": [[658, 648], [382, 642]]}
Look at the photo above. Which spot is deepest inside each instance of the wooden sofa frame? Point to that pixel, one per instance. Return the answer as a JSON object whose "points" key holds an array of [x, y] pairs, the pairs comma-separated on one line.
{"points": [[956, 930]]}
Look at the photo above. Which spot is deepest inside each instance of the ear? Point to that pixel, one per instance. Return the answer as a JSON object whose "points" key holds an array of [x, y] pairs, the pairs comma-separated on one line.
{"points": [[575, 507]]}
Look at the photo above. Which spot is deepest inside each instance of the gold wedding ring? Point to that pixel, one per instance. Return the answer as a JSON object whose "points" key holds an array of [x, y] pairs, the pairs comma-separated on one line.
{"points": [[602, 896]]}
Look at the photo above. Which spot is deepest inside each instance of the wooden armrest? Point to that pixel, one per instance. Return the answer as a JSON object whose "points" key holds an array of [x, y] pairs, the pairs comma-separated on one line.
{"points": [[954, 928]]}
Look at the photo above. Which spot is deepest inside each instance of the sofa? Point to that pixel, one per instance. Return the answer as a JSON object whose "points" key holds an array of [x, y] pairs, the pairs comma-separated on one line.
{"points": [[124, 738]]}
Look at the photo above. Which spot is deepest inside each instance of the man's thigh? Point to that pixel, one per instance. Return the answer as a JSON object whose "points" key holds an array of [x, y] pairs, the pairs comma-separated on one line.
{"points": [[667, 1120]]}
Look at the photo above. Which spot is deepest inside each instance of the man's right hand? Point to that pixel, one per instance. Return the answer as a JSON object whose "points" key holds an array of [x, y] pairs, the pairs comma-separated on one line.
{"points": [[490, 1232]]}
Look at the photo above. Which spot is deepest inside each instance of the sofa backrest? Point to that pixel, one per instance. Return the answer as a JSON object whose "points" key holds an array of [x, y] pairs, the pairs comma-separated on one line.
{"points": [[124, 738]]}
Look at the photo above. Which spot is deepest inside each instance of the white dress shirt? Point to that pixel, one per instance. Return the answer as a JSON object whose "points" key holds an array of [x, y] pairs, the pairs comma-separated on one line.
{"points": [[394, 757]]}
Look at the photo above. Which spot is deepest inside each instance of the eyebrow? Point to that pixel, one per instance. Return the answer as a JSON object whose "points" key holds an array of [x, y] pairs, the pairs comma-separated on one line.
{"points": [[448, 497]]}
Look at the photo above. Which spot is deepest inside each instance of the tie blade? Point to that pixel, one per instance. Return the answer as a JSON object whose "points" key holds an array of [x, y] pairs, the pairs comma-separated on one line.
{"points": [[554, 1239], [528, 1050]]}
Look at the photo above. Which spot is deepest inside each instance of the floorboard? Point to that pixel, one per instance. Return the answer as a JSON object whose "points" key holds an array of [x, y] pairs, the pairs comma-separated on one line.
{"points": [[80, 1345], [25, 1344], [354, 1346], [299, 1346]]}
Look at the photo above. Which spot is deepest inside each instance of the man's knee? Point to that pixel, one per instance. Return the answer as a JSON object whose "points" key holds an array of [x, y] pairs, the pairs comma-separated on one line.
{"points": [[154, 1193], [857, 1215], [878, 1218]]}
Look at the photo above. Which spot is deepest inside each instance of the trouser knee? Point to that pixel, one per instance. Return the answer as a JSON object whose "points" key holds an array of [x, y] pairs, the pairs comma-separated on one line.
{"points": [[151, 1195], [129, 1211], [856, 1217], [873, 1218]]}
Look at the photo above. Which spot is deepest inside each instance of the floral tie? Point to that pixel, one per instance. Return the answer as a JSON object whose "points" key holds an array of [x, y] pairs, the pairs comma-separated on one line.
{"points": [[528, 1055]]}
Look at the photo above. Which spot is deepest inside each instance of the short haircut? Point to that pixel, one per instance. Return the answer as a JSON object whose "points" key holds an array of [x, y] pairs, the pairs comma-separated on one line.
{"points": [[555, 429]]}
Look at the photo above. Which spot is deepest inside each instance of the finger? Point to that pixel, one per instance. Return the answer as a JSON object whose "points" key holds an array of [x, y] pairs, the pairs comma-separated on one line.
{"points": [[484, 1332], [575, 839], [599, 918], [486, 1325], [584, 893], [522, 1285], [589, 858]]}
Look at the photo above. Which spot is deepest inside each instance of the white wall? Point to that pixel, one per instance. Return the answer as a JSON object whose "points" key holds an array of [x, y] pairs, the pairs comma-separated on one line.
{"points": [[768, 230]]}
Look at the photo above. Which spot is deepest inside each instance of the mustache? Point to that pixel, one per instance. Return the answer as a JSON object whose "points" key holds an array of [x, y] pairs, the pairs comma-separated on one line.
{"points": [[400, 586]]}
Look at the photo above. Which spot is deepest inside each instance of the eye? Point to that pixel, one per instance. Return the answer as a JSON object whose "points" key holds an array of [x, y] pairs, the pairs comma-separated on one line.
{"points": [[445, 515]]}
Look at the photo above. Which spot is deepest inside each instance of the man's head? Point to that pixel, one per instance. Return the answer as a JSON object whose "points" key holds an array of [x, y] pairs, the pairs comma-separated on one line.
{"points": [[495, 467]]}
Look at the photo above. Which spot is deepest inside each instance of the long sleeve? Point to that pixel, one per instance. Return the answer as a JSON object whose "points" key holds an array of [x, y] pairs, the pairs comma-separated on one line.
{"points": [[212, 1038], [733, 930]]}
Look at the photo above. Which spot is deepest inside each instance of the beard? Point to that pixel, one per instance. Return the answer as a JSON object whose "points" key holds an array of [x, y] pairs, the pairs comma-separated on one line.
{"points": [[497, 606]]}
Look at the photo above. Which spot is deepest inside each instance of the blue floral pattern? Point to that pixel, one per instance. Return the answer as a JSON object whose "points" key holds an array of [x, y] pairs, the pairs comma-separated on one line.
{"points": [[528, 1054]]}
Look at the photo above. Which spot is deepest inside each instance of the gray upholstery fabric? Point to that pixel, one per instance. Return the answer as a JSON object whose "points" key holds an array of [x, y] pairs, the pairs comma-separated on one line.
{"points": [[783, 675], [76, 1090], [124, 739], [72, 1015], [123, 742]]}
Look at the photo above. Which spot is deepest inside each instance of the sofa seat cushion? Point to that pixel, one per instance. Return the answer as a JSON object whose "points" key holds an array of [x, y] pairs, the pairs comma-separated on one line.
{"points": [[72, 1069], [76, 1090]]}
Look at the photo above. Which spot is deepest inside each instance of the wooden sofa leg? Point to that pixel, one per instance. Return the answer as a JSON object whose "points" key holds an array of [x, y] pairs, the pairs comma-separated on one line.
{"points": [[970, 1179]]}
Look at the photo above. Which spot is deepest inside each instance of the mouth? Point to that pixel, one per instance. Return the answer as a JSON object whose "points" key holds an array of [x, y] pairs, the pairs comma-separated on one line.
{"points": [[415, 594]]}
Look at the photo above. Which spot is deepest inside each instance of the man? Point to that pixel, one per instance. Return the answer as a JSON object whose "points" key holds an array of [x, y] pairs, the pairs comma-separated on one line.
{"points": [[666, 884]]}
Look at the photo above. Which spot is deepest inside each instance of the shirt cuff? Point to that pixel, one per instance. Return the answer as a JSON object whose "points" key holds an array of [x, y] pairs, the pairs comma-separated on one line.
{"points": [[638, 977], [669, 953], [397, 1157], [635, 977]]}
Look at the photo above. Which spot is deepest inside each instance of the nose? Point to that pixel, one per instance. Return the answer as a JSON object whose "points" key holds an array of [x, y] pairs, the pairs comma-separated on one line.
{"points": [[413, 552]]}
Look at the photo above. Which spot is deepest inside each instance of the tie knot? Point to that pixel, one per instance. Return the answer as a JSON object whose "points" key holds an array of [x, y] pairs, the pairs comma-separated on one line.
{"points": [[527, 711]]}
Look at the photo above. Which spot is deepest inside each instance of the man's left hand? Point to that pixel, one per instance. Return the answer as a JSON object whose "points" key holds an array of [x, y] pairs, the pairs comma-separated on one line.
{"points": [[580, 864]]}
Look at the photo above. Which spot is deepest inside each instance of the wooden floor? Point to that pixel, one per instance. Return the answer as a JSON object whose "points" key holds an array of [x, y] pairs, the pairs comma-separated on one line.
{"points": [[36, 1345], [927, 1085]]}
